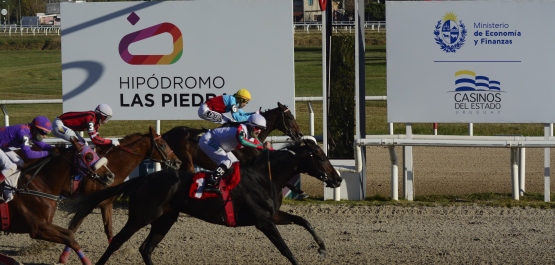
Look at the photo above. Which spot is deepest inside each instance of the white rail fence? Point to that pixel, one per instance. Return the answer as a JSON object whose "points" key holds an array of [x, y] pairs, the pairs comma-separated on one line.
{"points": [[344, 26], [517, 144], [299, 27], [15, 30]]}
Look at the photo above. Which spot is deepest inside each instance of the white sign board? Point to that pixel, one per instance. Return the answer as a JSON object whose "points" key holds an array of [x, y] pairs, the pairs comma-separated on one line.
{"points": [[160, 60], [475, 61]]}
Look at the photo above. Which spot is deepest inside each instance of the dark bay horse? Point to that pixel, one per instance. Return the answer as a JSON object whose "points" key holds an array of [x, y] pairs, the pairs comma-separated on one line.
{"points": [[184, 140], [39, 187], [133, 149], [158, 198]]}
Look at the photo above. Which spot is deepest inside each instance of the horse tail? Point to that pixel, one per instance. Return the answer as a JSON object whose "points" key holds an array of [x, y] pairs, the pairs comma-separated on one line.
{"points": [[85, 204]]}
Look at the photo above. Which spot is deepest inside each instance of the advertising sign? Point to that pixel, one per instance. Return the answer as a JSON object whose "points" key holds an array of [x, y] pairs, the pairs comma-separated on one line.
{"points": [[470, 61], [160, 60]]}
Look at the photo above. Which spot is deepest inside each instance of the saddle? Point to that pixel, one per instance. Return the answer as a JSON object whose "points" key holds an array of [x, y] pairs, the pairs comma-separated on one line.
{"points": [[226, 184]]}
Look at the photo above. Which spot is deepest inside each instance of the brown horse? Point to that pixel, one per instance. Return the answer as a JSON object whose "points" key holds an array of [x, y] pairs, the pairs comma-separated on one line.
{"points": [[40, 186], [133, 149], [184, 140]]}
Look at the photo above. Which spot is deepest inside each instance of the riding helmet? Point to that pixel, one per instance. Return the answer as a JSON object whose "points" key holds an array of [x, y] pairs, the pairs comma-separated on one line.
{"points": [[257, 120], [105, 111], [42, 123], [243, 94]]}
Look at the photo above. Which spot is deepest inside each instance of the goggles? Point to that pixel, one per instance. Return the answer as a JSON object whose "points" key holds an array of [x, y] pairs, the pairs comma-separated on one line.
{"points": [[42, 132], [105, 119]]}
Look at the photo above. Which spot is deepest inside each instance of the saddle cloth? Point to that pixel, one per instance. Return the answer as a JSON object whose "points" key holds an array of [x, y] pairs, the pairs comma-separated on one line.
{"points": [[197, 188], [4, 216]]}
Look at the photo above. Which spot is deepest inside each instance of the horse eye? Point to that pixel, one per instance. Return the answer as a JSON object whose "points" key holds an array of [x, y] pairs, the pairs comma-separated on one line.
{"points": [[89, 157]]}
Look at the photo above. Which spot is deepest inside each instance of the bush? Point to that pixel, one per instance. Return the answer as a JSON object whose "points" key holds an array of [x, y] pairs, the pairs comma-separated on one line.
{"points": [[17, 43]]}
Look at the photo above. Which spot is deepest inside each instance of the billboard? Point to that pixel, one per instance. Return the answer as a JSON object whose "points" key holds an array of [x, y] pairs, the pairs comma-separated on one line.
{"points": [[470, 61], [161, 60]]}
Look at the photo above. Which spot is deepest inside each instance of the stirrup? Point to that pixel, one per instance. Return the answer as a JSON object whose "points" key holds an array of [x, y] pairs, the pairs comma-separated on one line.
{"points": [[211, 189]]}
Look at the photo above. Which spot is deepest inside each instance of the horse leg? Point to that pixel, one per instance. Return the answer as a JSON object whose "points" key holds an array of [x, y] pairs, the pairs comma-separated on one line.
{"points": [[106, 211], [270, 230], [57, 234], [139, 216], [283, 218], [158, 230], [64, 257]]}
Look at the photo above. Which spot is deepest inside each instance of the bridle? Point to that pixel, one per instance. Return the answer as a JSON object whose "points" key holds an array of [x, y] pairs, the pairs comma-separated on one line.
{"points": [[288, 130], [323, 176], [153, 145], [41, 163]]}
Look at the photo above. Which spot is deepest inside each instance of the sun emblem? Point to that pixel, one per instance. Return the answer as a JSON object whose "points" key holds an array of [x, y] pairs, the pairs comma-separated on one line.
{"points": [[450, 33]]}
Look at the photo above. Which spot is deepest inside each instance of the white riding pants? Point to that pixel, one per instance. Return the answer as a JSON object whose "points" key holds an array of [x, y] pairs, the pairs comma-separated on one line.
{"points": [[212, 148], [61, 131], [9, 162]]}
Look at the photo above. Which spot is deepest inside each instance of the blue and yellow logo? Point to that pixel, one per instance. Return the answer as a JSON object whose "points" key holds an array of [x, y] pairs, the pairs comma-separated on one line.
{"points": [[466, 80], [450, 33], [476, 94]]}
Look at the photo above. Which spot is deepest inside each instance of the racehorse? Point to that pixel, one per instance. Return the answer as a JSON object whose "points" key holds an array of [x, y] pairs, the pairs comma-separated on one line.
{"points": [[158, 198], [184, 141], [133, 149], [39, 187]]}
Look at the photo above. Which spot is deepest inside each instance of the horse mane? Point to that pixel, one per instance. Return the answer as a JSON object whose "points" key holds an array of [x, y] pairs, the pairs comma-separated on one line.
{"points": [[125, 140], [263, 156]]}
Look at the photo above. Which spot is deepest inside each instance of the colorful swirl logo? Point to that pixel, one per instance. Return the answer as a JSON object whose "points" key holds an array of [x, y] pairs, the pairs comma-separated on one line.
{"points": [[146, 33]]}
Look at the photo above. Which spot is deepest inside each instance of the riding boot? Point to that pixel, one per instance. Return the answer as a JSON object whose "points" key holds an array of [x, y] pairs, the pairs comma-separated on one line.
{"points": [[2, 181], [212, 181]]}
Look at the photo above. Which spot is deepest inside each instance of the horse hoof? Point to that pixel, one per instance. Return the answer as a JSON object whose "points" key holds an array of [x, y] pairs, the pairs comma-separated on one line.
{"points": [[323, 253], [64, 257], [85, 261]]}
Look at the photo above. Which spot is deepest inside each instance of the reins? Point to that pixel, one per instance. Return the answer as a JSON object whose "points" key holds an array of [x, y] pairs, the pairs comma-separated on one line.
{"points": [[153, 145], [40, 164]]}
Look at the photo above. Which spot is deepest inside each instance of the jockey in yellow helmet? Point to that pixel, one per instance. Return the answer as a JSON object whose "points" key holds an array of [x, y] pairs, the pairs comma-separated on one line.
{"points": [[214, 108]]}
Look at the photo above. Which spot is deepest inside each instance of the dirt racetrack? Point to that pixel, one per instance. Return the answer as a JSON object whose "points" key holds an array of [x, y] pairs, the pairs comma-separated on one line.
{"points": [[460, 234]]}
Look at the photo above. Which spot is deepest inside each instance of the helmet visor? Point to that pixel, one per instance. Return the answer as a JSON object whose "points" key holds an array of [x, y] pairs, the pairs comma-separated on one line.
{"points": [[106, 118], [42, 132]]}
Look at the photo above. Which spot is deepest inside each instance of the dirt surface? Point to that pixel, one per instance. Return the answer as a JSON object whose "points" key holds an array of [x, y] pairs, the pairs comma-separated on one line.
{"points": [[357, 234]]}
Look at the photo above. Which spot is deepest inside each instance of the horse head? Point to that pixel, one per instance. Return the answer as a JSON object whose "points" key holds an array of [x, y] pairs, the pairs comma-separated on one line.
{"points": [[164, 154], [91, 165], [317, 164], [282, 119], [150, 146]]}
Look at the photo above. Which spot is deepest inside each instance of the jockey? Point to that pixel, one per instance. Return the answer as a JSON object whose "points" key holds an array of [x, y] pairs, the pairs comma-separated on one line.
{"points": [[214, 108], [219, 143], [69, 122], [21, 136]]}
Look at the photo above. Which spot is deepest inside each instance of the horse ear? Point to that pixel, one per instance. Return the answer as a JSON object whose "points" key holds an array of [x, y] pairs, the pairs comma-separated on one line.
{"points": [[280, 105], [151, 130]]}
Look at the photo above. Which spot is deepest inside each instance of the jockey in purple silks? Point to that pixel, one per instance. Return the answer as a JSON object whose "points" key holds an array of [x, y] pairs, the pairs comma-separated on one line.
{"points": [[21, 136]]}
